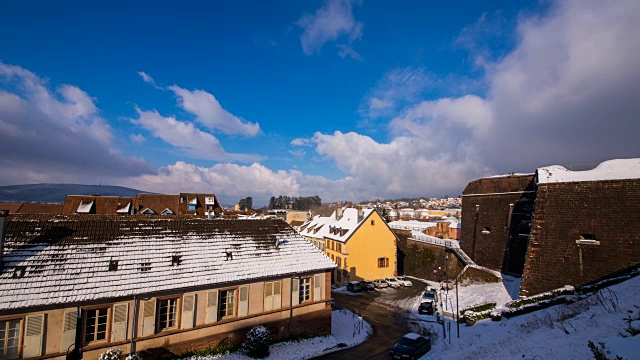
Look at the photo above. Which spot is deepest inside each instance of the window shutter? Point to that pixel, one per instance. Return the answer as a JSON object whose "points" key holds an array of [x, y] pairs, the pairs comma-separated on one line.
{"points": [[243, 301], [69, 324], [268, 296], [212, 307], [188, 311], [34, 334], [120, 317], [317, 287], [295, 292], [277, 295], [148, 317]]}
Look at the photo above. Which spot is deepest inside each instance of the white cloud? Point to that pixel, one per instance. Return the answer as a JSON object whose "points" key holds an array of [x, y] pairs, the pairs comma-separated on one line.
{"points": [[185, 135], [146, 78], [397, 88], [568, 93], [210, 113], [300, 142], [137, 138], [55, 136], [333, 21], [229, 181]]}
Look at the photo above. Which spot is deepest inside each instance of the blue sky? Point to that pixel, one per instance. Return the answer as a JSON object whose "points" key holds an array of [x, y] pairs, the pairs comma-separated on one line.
{"points": [[347, 100]]}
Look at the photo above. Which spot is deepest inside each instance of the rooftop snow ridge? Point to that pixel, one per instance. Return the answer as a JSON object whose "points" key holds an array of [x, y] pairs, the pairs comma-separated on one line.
{"points": [[618, 169]]}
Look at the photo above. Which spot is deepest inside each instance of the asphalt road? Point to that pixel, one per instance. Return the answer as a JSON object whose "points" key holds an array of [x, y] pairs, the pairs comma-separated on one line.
{"points": [[389, 323]]}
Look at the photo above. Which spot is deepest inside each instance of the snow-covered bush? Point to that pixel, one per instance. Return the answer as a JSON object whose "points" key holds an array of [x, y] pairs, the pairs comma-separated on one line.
{"points": [[133, 357], [111, 354], [257, 343]]}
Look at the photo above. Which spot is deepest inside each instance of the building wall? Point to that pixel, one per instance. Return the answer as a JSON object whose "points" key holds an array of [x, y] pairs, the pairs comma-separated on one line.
{"points": [[421, 259], [496, 215], [608, 210], [297, 215], [312, 317], [366, 245]]}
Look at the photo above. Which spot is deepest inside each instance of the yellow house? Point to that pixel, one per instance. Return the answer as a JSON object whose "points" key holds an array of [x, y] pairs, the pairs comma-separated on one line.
{"points": [[357, 240]]}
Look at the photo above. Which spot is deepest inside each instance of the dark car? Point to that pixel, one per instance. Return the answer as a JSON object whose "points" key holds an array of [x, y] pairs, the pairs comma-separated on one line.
{"points": [[426, 307], [367, 285], [410, 346], [354, 286]]}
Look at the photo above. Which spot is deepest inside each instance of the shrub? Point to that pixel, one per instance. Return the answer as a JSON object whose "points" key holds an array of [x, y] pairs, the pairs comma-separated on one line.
{"points": [[111, 354], [257, 343], [133, 357]]}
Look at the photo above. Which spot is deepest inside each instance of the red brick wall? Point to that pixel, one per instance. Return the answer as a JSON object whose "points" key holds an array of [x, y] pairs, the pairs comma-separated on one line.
{"points": [[610, 210], [486, 204]]}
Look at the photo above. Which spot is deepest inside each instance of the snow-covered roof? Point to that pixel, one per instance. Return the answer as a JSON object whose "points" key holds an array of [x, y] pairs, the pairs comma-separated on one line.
{"points": [[618, 169], [54, 259], [335, 229]]}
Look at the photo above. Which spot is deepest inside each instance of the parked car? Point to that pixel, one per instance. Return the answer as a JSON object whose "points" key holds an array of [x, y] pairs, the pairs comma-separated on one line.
{"points": [[429, 295], [410, 346], [354, 286], [392, 282], [404, 281], [426, 307], [367, 285], [380, 283]]}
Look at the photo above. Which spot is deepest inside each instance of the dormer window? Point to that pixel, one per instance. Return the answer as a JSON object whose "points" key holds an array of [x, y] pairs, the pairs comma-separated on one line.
{"points": [[167, 211], [148, 211], [19, 271], [176, 260], [145, 266], [85, 208], [113, 265], [192, 204], [125, 209]]}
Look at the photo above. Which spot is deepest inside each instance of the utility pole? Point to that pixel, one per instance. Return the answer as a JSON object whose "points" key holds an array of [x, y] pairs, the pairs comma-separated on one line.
{"points": [[457, 308]]}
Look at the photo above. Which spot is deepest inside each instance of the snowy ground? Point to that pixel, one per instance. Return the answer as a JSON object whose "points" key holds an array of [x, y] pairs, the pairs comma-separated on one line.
{"points": [[559, 332], [477, 294], [346, 329]]}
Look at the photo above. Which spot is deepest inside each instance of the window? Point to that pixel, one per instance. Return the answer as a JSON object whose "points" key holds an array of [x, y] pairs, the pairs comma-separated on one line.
{"points": [[383, 262], [338, 247], [167, 313], [339, 262], [176, 260], [486, 230], [145, 266], [95, 324], [9, 338], [226, 303], [373, 222], [192, 208], [272, 295], [305, 289], [113, 265]]}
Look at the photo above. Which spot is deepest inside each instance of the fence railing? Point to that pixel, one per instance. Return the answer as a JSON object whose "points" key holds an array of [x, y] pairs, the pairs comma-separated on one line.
{"points": [[418, 236]]}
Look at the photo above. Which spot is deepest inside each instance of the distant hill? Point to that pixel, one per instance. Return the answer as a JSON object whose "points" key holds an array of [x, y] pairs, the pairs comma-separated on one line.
{"points": [[56, 193]]}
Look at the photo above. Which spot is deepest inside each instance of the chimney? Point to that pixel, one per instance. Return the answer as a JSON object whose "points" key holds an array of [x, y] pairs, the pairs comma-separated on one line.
{"points": [[3, 229], [339, 213], [360, 213]]}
